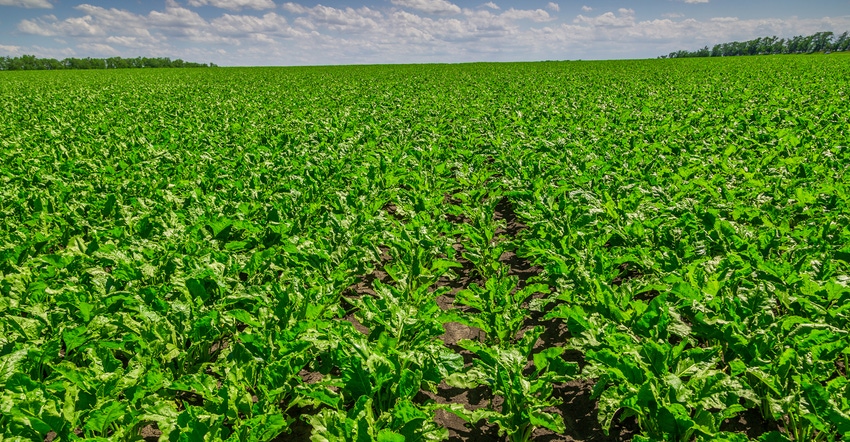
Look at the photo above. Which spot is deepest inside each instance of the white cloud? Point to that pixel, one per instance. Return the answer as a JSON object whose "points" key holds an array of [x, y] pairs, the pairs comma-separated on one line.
{"points": [[536, 15], [491, 5], [98, 49], [294, 8], [609, 19], [672, 15], [128, 42], [10, 49], [339, 20], [181, 23], [33, 4], [695, 1], [176, 18], [429, 6], [269, 23], [35, 27], [49, 26], [552, 6], [586, 8], [116, 20], [235, 5]]}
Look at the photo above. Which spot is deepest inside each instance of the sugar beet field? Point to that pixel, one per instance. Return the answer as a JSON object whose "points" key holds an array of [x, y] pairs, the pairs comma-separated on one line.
{"points": [[652, 250]]}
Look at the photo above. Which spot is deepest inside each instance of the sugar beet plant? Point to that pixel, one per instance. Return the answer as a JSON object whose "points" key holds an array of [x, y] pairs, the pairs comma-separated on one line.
{"points": [[278, 253]]}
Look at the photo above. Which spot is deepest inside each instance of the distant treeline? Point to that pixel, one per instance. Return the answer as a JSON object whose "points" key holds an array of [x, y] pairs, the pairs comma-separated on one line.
{"points": [[818, 42], [31, 62]]}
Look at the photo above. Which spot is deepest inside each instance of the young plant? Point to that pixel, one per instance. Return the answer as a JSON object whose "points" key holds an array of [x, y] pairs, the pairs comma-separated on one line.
{"points": [[377, 383], [500, 309], [527, 396]]}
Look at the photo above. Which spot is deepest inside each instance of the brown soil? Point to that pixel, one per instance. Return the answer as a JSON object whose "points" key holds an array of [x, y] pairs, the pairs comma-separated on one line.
{"points": [[392, 210], [751, 423], [150, 433], [579, 413], [471, 399], [520, 267], [299, 431], [627, 271], [504, 210]]}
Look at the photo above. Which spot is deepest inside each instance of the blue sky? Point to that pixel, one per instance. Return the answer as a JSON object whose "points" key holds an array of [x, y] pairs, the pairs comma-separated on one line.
{"points": [[305, 32]]}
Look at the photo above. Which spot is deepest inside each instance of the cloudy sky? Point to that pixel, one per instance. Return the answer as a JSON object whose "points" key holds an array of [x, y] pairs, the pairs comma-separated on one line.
{"points": [[274, 32]]}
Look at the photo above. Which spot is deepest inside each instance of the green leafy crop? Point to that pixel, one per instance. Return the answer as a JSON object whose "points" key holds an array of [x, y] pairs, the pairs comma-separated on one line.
{"points": [[355, 253]]}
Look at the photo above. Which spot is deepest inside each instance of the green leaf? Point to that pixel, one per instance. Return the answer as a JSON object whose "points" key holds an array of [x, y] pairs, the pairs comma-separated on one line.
{"points": [[409, 383], [163, 413], [553, 422], [653, 322], [389, 436], [243, 317], [466, 380], [543, 357], [774, 436], [675, 420], [75, 337], [9, 364], [101, 418]]}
